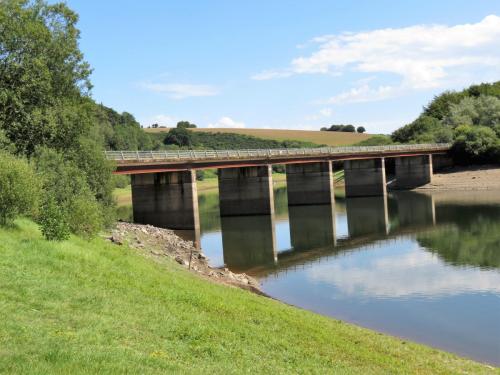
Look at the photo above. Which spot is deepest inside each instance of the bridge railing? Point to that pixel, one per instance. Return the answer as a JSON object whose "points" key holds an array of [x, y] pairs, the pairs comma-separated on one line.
{"points": [[169, 155]]}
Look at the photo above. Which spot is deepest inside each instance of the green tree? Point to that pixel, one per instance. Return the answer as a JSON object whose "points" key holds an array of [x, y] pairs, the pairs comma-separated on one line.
{"points": [[68, 189], [43, 75], [476, 143], [360, 129], [179, 136], [185, 125], [483, 110], [19, 188]]}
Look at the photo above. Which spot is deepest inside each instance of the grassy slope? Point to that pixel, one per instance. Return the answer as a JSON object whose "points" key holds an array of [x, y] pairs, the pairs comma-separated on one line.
{"points": [[94, 307], [318, 137]]}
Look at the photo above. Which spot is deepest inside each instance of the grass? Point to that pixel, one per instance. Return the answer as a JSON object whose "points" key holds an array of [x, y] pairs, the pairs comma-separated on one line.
{"points": [[318, 137], [81, 307]]}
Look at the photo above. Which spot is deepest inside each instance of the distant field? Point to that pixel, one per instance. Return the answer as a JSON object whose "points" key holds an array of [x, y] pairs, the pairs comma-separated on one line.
{"points": [[319, 137]]}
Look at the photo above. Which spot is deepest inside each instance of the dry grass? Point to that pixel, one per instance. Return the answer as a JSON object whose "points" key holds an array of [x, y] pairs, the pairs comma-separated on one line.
{"points": [[315, 136]]}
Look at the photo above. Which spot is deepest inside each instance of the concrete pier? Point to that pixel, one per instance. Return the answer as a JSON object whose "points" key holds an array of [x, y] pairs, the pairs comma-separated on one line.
{"points": [[309, 183], [166, 200], [246, 191], [413, 171], [365, 177], [312, 227], [248, 241], [367, 216]]}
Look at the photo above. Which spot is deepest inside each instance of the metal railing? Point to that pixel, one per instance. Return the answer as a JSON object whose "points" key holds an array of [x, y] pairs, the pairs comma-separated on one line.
{"points": [[188, 155]]}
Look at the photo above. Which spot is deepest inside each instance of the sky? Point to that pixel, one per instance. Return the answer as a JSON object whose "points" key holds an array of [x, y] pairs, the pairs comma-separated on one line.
{"points": [[285, 64]]}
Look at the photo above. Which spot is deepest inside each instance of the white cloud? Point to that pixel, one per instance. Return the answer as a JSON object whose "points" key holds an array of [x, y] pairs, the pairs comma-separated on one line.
{"points": [[423, 56], [181, 90], [364, 93], [227, 122], [322, 113], [325, 112], [415, 272], [160, 119]]}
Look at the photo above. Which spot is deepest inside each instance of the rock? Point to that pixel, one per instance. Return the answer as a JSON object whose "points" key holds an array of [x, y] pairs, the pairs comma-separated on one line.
{"points": [[116, 240]]}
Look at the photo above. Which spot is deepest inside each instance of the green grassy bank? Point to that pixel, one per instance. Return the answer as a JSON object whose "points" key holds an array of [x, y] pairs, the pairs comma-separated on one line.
{"points": [[94, 307]]}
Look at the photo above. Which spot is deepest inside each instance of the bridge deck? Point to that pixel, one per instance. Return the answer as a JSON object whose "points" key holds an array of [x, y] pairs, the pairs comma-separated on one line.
{"points": [[134, 162]]}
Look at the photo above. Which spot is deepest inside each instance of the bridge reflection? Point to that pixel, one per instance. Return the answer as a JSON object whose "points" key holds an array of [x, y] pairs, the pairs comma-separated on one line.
{"points": [[249, 243]]}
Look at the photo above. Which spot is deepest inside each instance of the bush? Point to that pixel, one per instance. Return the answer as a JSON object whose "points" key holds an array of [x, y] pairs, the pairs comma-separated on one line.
{"points": [[360, 129], [376, 140], [19, 188], [475, 143], [120, 181], [53, 221], [68, 198], [86, 218]]}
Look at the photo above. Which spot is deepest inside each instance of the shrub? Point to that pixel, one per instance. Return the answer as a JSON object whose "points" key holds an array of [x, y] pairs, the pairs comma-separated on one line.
{"points": [[19, 188], [68, 198], [120, 181], [85, 218], [475, 143], [53, 223]]}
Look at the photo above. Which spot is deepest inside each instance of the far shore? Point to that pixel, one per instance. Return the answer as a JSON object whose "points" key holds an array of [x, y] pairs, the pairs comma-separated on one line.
{"points": [[478, 177]]}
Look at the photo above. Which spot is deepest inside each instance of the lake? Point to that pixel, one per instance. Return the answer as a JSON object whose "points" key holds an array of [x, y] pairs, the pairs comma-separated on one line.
{"points": [[423, 267]]}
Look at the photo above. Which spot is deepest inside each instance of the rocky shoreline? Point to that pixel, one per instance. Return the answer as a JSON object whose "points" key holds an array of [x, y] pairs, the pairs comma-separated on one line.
{"points": [[159, 243]]}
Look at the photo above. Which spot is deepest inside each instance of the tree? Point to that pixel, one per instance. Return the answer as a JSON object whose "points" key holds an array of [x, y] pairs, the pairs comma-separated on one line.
{"points": [[185, 125], [348, 129], [360, 129], [43, 75], [19, 188], [178, 136], [483, 110], [476, 143]]}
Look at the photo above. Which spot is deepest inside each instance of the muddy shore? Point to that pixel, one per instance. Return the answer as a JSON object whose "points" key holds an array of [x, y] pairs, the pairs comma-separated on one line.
{"points": [[484, 177]]}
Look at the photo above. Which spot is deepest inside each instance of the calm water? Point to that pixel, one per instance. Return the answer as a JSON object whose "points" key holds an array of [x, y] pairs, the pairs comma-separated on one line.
{"points": [[421, 267]]}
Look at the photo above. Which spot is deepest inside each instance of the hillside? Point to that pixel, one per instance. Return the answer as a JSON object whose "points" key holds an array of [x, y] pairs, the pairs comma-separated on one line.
{"points": [[317, 137], [94, 307]]}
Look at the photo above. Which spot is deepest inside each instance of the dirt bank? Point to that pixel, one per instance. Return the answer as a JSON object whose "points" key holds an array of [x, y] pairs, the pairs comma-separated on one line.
{"points": [[157, 243], [483, 177]]}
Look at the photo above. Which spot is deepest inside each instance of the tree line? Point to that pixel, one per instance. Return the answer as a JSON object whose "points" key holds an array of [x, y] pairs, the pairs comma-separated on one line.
{"points": [[52, 133], [344, 128]]}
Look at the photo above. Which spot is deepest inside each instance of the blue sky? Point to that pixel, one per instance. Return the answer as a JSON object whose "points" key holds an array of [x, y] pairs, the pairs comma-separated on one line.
{"points": [[285, 64]]}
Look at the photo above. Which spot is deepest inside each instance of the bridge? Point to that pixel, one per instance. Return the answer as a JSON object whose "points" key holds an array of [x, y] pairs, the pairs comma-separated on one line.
{"points": [[164, 190]]}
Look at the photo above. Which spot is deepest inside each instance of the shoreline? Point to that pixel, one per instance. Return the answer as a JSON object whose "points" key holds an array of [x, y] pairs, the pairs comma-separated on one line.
{"points": [[457, 178], [157, 243]]}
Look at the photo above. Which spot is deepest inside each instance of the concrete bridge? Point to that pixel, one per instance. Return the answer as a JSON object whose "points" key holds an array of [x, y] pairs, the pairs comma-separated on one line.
{"points": [[164, 190]]}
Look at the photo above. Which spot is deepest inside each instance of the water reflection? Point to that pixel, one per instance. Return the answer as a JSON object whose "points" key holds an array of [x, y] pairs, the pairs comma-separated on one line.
{"points": [[312, 227], [415, 209], [423, 267], [367, 216], [248, 241]]}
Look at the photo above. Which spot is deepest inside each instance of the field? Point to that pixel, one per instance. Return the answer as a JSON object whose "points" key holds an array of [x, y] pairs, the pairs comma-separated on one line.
{"points": [[318, 137], [80, 307]]}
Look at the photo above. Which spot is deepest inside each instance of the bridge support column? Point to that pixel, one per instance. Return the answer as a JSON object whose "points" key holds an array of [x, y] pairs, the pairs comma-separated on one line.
{"points": [[413, 171], [167, 200], [365, 177], [246, 191], [309, 183]]}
